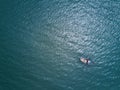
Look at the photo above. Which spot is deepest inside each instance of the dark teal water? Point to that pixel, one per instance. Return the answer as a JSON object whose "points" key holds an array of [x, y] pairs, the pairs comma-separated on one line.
{"points": [[41, 42]]}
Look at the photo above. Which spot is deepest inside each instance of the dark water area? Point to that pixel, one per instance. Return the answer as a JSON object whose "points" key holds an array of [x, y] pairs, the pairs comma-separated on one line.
{"points": [[41, 42]]}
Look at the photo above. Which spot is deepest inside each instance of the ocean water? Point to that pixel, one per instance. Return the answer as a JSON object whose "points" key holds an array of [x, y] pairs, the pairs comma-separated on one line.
{"points": [[41, 42]]}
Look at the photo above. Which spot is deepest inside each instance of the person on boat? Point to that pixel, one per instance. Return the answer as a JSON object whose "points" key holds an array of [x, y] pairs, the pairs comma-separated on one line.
{"points": [[88, 61]]}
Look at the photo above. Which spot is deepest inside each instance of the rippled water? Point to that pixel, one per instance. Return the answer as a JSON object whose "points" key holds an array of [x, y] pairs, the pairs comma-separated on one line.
{"points": [[42, 40]]}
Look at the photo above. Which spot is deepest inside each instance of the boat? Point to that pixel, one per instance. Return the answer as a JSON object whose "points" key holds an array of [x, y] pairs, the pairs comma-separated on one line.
{"points": [[85, 60]]}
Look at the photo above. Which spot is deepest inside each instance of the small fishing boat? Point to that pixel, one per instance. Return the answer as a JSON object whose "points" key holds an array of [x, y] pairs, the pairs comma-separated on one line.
{"points": [[85, 61]]}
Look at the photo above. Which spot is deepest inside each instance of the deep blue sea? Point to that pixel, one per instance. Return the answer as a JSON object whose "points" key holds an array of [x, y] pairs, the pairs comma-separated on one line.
{"points": [[41, 42]]}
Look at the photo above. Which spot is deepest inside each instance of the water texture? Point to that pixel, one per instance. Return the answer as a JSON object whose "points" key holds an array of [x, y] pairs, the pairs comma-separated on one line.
{"points": [[41, 42]]}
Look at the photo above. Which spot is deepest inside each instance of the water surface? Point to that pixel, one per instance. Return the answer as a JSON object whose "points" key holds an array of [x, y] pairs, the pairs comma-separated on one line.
{"points": [[41, 42]]}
